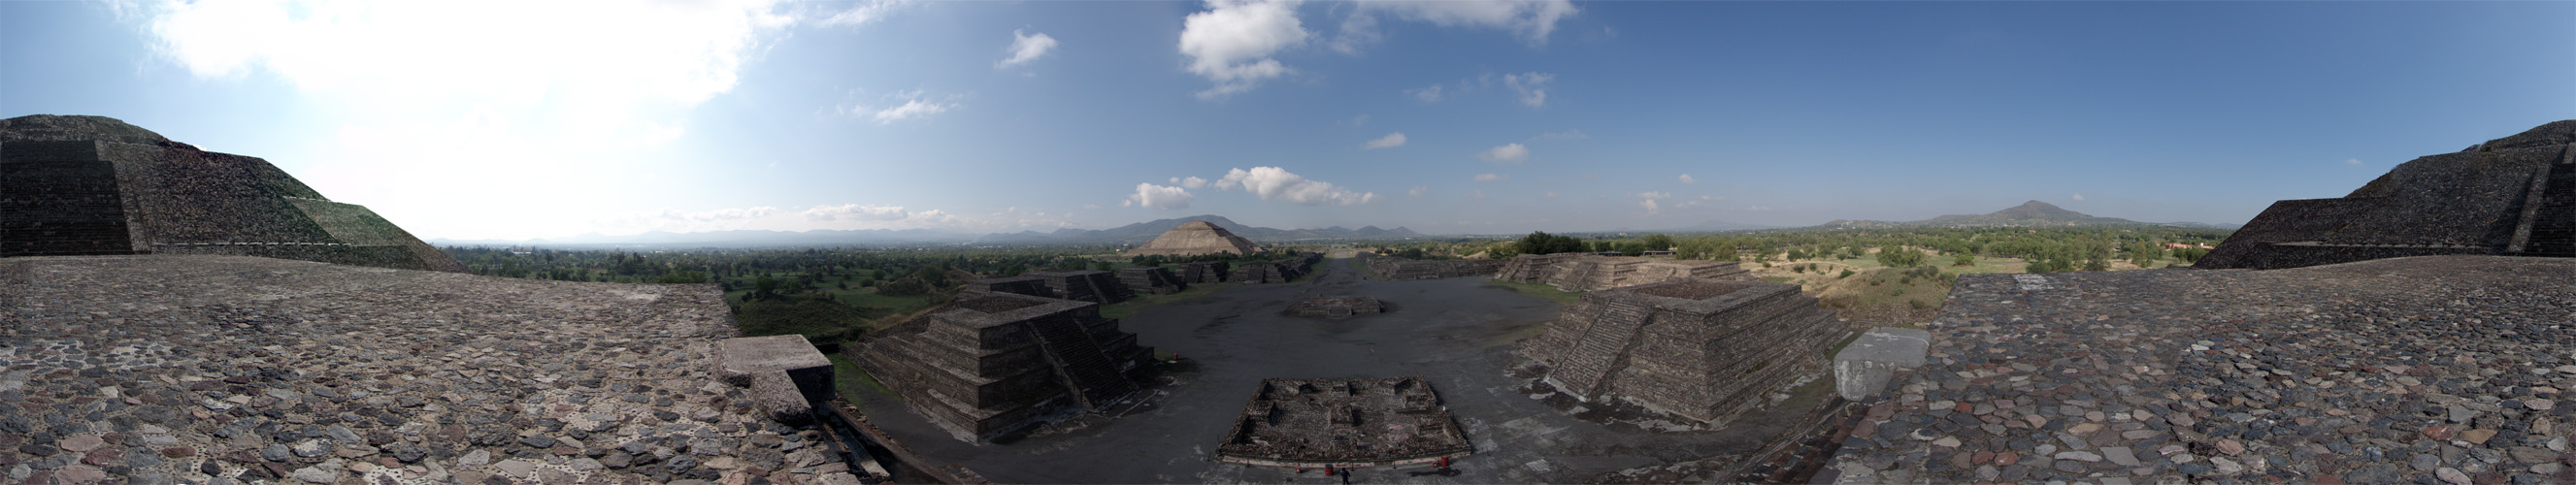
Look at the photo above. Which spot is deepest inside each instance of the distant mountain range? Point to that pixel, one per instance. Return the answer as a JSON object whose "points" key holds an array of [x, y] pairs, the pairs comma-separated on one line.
{"points": [[2028, 214], [1141, 232]]}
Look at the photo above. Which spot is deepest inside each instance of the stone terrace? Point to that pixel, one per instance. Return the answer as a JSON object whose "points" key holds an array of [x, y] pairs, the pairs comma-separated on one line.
{"points": [[2428, 369], [199, 369]]}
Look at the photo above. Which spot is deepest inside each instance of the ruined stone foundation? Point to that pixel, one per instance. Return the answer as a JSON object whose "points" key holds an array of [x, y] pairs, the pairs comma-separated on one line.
{"points": [[1702, 349], [994, 363], [1155, 280], [1343, 422]]}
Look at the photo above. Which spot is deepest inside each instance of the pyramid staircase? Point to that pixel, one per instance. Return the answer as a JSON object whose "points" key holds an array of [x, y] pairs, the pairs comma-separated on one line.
{"points": [[1603, 347], [1079, 361], [2553, 231]]}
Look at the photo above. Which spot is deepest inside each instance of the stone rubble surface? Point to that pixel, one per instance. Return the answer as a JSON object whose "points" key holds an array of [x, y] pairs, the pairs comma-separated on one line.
{"points": [[213, 369], [2445, 369]]}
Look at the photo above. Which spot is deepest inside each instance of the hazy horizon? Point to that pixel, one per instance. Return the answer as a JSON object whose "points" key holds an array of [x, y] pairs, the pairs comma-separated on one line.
{"points": [[513, 121]]}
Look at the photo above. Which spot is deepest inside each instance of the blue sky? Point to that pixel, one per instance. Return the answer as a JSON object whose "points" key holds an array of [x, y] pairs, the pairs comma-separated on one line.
{"points": [[544, 119]]}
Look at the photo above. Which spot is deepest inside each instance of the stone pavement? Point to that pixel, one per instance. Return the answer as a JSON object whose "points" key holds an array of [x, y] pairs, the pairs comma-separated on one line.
{"points": [[2444, 369], [219, 369]]}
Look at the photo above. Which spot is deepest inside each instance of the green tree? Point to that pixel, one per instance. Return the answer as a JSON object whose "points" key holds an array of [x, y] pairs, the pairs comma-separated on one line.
{"points": [[1899, 256], [1964, 259], [1659, 242]]}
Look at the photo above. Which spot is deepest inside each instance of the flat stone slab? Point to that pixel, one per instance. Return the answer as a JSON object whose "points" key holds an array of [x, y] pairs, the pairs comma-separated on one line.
{"points": [[183, 369], [1864, 367], [775, 352], [2372, 372]]}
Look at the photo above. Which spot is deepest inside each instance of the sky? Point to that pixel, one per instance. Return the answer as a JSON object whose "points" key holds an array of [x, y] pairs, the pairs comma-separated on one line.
{"points": [[516, 120]]}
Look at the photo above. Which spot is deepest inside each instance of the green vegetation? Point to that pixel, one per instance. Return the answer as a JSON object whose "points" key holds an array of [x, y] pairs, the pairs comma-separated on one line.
{"points": [[1920, 288], [854, 382]]}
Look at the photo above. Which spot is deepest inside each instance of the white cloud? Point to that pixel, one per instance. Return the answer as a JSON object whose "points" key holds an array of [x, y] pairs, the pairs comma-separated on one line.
{"points": [[905, 105], [1230, 44], [1551, 194], [1025, 48], [1418, 191], [1510, 153], [1490, 177], [1532, 20], [1430, 94], [865, 12], [1701, 201], [1686, 178], [2352, 161], [1191, 182], [1532, 86], [568, 90], [2079, 197], [1758, 208], [856, 212], [1391, 140], [1357, 31], [1091, 206], [1477, 193], [1160, 197], [1650, 199], [1274, 183]]}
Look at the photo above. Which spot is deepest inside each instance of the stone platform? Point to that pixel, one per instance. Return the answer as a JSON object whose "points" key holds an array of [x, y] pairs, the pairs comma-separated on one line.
{"points": [[2439, 369], [165, 369], [1343, 423]]}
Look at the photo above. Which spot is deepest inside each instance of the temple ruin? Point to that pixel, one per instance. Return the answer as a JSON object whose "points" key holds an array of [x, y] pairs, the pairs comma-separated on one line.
{"points": [[1706, 350], [2514, 196], [1091, 286], [1336, 307], [1196, 238], [1203, 272], [990, 364], [1400, 269], [1586, 272], [1153, 280], [88, 185], [1345, 423]]}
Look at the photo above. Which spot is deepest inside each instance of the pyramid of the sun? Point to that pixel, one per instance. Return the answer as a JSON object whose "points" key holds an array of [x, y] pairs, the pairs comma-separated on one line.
{"points": [[1195, 238], [88, 185], [2514, 196]]}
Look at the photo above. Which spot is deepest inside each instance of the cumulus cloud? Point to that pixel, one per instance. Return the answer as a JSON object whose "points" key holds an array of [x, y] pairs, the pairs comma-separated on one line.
{"points": [[1027, 47], [2079, 197], [856, 212], [1650, 201], [1686, 178], [1418, 191], [1231, 43], [1509, 153], [901, 105], [1532, 20], [1190, 182], [2352, 161], [1431, 94], [1531, 86], [1274, 183], [1159, 197], [1391, 140], [1491, 177]]}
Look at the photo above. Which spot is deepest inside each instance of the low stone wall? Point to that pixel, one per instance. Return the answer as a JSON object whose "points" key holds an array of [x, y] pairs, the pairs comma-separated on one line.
{"points": [[1400, 269]]}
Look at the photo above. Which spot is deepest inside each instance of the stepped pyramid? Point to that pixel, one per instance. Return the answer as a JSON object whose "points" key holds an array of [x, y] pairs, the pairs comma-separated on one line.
{"points": [[2514, 196], [88, 185], [995, 363], [1703, 349], [1195, 238]]}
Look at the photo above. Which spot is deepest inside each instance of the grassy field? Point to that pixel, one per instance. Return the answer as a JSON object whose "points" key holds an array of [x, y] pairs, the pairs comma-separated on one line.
{"points": [[854, 382]]}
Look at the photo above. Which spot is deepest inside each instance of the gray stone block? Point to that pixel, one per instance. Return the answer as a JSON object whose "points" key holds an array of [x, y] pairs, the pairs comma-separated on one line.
{"points": [[1864, 368], [784, 373]]}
